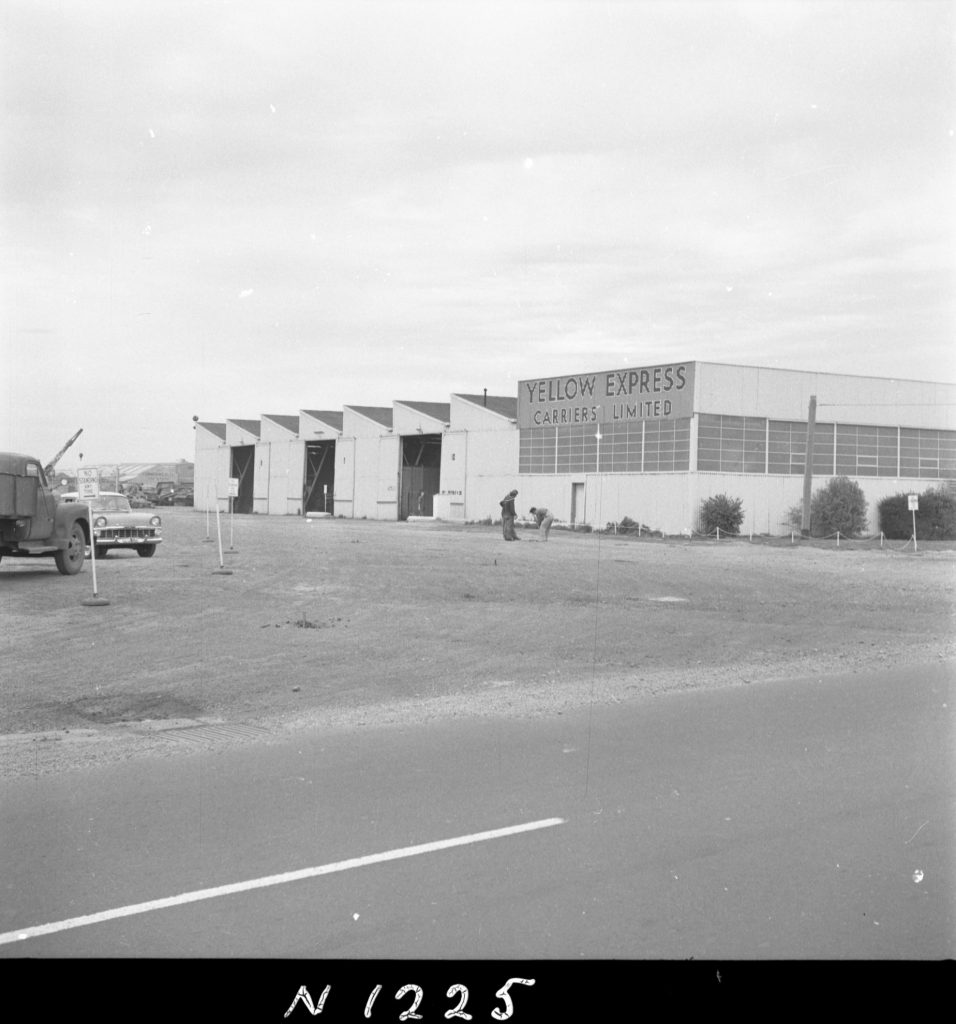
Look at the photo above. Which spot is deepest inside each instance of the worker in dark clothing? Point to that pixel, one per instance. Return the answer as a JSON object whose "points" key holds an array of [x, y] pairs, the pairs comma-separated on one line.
{"points": [[544, 520], [508, 515]]}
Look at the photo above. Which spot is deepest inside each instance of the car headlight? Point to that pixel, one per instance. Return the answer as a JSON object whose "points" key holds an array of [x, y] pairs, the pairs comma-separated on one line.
{"points": [[155, 521], [99, 521]]}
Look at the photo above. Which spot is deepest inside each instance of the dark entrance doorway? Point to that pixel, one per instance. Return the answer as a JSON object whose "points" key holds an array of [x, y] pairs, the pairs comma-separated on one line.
{"points": [[421, 471], [243, 463], [319, 477]]}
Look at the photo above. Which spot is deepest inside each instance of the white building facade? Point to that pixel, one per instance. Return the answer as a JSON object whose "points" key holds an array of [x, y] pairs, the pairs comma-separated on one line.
{"points": [[653, 443], [648, 443]]}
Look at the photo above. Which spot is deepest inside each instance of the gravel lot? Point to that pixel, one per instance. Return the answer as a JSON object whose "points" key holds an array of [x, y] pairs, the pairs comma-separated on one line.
{"points": [[344, 624]]}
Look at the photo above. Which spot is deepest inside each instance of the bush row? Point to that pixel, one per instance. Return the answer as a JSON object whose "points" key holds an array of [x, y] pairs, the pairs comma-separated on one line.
{"points": [[837, 507]]}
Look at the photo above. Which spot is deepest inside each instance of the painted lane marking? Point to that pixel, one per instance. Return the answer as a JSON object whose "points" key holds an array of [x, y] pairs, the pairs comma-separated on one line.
{"points": [[262, 883]]}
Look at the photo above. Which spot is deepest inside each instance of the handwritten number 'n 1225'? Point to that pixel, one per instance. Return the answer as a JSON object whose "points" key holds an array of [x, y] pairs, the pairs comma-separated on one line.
{"points": [[458, 1012]]}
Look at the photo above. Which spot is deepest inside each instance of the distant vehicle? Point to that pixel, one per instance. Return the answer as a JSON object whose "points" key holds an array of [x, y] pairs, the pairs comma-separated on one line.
{"points": [[116, 525], [172, 495], [33, 522]]}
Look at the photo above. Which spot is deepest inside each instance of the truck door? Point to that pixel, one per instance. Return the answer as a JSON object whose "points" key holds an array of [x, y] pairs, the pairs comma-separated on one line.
{"points": [[40, 497]]}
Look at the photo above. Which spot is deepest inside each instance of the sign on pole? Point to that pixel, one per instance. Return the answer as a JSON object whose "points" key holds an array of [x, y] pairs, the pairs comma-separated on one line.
{"points": [[88, 482], [233, 493], [913, 500], [88, 488]]}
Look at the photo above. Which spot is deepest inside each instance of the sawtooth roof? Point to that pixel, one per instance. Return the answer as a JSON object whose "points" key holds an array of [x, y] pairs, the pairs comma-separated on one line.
{"points": [[373, 412], [334, 419], [250, 426], [287, 422], [503, 405], [437, 410]]}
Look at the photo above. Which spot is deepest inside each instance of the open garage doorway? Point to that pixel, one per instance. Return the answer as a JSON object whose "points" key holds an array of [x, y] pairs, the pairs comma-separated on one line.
{"points": [[421, 471], [243, 468], [319, 488]]}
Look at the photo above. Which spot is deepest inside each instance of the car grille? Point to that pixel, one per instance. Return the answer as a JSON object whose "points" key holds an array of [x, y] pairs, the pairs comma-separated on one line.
{"points": [[127, 533]]}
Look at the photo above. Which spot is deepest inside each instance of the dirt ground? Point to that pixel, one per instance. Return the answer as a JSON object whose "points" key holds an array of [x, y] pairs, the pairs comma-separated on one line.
{"points": [[341, 623]]}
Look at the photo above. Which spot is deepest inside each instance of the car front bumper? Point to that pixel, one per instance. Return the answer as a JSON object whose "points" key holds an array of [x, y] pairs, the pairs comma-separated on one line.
{"points": [[123, 538]]}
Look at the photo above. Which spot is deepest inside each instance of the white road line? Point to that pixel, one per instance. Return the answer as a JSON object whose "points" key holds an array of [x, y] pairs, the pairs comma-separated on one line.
{"points": [[262, 883]]}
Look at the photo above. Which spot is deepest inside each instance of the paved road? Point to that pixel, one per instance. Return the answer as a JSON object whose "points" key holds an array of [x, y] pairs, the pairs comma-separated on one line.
{"points": [[808, 819]]}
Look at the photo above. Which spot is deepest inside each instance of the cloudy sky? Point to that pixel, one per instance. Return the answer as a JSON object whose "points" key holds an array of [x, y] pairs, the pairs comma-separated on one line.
{"points": [[232, 208]]}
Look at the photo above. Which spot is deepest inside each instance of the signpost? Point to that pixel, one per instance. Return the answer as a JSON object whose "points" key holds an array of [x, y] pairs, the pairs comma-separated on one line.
{"points": [[88, 488], [913, 502], [88, 482], [207, 539], [233, 494], [222, 570]]}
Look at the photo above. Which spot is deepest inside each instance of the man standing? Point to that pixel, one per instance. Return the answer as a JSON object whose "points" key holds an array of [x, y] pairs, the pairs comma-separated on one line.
{"points": [[508, 515], [544, 520]]}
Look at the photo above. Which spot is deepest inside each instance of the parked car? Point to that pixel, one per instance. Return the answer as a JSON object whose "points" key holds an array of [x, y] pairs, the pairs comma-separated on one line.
{"points": [[116, 525]]}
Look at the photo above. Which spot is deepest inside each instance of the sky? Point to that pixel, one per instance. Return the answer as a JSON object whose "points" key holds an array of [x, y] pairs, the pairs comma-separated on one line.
{"points": [[241, 208]]}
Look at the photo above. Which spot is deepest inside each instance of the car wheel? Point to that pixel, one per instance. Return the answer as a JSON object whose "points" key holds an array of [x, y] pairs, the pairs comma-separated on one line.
{"points": [[99, 551], [70, 561], [146, 550]]}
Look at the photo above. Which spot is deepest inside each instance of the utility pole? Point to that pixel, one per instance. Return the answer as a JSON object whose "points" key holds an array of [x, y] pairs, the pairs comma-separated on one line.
{"points": [[808, 467]]}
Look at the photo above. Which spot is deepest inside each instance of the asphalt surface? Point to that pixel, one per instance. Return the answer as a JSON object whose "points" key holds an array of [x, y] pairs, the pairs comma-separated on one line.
{"points": [[807, 819]]}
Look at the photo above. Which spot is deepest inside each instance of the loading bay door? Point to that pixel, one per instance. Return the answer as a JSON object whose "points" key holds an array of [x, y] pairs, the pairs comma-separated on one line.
{"points": [[421, 473], [319, 489], [243, 468]]}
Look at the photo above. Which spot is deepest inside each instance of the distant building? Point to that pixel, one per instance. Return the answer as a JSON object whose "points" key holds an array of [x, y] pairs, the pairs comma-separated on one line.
{"points": [[651, 443], [146, 475]]}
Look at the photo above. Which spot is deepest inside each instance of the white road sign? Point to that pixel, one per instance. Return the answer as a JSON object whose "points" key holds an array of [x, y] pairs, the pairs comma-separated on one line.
{"points": [[88, 482], [913, 502]]}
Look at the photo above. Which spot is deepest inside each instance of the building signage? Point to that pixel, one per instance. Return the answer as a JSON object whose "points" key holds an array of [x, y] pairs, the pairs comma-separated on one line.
{"points": [[645, 393]]}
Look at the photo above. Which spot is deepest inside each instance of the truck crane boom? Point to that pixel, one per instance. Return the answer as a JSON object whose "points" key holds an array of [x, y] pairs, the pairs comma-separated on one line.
{"points": [[49, 467]]}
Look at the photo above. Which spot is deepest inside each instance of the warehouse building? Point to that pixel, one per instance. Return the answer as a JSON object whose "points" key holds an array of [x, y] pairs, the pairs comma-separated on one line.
{"points": [[653, 443], [650, 443]]}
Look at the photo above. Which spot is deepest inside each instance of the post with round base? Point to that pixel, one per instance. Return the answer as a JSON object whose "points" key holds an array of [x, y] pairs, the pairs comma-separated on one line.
{"points": [[207, 539], [95, 601], [221, 571], [232, 550]]}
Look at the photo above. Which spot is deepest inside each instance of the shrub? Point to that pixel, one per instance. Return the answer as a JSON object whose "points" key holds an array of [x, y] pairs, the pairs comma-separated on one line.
{"points": [[896, 520], [935, 520], [721, 513], [628, 525], [936, 515], [838, 507], [795, 517]]}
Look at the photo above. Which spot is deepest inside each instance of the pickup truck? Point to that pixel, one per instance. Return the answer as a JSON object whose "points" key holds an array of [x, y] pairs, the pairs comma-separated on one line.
{"points": [[33, 523]]}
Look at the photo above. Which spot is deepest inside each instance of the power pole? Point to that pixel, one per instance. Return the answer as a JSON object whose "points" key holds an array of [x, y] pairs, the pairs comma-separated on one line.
{"points": [[808, 467]]}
